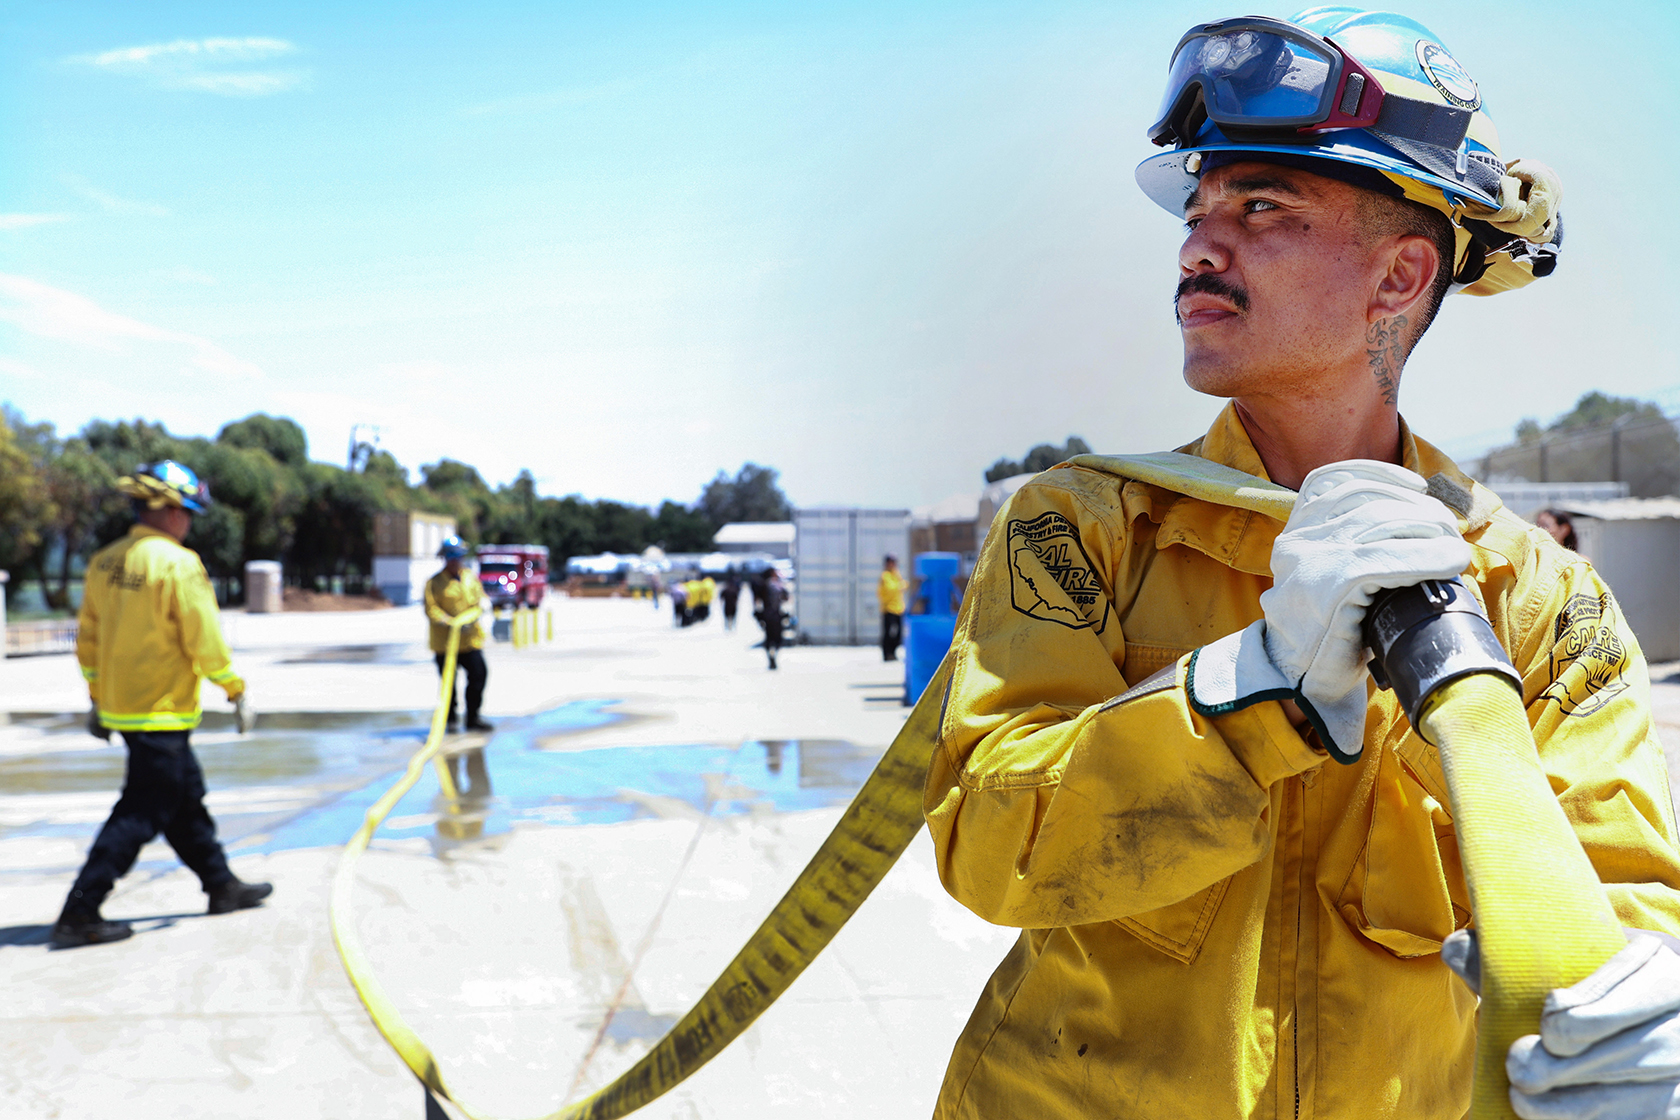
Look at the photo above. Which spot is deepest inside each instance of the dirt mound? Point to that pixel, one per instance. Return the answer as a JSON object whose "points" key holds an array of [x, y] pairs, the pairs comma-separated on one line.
{"points": [[300, 599]]}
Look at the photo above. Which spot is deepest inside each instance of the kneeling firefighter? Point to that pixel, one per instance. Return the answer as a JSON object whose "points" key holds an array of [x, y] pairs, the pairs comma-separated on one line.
{"points": [[1237, 868], [147, 633]]}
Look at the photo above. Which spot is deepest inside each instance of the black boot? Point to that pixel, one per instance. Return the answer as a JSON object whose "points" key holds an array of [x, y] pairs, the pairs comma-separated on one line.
{"points": [[236, 895], [80, 924], [476, 724]]}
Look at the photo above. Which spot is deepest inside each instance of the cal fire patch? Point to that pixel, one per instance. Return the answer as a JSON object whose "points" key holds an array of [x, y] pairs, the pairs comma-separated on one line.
{"points": [[1050, 576], [1589, 658]]}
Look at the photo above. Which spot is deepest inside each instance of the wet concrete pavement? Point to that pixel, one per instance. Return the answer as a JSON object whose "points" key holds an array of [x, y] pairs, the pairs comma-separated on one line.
{"points": [[651, 794]]}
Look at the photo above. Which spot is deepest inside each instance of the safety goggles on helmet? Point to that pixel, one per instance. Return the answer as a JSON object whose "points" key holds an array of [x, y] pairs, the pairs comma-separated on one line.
{"points": [[1257, 77]]}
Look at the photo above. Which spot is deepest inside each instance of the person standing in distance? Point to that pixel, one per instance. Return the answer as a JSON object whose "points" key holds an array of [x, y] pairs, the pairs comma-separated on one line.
{"points": [[731, 597], [451, 593], [148, 631], [770, 616], [891, 594], [1560, 525]]}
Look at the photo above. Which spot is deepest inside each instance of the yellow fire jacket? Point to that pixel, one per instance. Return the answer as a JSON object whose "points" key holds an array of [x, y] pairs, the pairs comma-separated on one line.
{"points": [[891, 592], [447, 597], [148, 630], [1218, 921]]}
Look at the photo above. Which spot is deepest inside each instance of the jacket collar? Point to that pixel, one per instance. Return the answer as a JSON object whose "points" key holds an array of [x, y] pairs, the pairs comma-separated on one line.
{"points": [[1242, 539], [139, 531]]}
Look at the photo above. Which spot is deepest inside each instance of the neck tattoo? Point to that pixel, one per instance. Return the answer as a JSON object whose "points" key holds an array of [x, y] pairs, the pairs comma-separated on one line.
{"points": [[1383, 341]]}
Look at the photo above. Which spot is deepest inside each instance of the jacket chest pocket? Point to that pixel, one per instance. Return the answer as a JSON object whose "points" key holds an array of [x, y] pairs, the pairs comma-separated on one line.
{"points": [[1144, 660], [1406, 891], [1180, 929]]}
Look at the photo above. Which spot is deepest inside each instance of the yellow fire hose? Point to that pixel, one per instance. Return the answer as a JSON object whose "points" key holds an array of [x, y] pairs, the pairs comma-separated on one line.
{"points": [[1535, 932], [1542, 918]]}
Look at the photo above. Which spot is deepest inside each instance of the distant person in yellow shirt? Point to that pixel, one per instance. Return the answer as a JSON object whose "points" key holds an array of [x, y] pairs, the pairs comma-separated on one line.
{"points": [[891, 594], [452, 592], [148, 632]]}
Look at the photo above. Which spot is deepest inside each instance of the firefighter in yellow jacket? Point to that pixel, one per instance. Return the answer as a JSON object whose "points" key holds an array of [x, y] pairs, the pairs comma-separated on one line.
{"points": [[148, 632], [454, 591], [890, 589], [1232, 861]]}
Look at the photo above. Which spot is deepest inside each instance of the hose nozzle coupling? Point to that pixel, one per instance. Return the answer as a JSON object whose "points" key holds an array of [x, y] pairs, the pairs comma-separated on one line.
{"points": [[1426, 635]]}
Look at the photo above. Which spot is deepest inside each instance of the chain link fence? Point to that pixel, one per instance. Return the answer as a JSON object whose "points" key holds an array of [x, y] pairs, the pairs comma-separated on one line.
{"points": [[1643, 452]]}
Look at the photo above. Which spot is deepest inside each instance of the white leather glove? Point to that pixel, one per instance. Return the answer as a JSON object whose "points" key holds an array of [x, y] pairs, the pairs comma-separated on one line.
{"points": [[1608, 1048], [244, 716], [1358, 528]]}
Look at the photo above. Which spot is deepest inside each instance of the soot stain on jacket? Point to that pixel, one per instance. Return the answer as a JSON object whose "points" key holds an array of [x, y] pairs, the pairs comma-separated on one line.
{"points": [[1195, 812]]}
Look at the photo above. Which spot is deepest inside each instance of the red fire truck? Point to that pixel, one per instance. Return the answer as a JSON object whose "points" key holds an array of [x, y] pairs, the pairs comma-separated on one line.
{"points": [[513, 575]]}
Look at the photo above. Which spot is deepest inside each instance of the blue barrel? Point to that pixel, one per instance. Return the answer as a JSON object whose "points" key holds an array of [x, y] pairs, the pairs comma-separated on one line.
{"points": [[928, 632]]}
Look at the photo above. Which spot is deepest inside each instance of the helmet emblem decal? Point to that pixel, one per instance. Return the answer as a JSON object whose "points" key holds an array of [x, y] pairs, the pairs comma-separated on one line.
{"points": [[1447, 76]]}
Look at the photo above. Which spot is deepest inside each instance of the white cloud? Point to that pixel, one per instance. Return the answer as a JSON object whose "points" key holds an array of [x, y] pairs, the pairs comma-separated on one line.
{"points": [[24, 221], [242, 50], [47, 312], [219, 66], [20, 371], [111, 203]]}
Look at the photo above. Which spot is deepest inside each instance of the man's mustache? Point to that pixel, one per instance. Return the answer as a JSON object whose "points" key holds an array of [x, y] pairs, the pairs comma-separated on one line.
{"points": [[1210, 284]]}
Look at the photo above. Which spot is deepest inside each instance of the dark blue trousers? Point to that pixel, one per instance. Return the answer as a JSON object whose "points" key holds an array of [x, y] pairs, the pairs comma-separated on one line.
{"points": [[163, 791]]}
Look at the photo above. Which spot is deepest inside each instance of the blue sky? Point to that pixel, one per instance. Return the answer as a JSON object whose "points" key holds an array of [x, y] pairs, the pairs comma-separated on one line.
{"points": [[875, 246]]}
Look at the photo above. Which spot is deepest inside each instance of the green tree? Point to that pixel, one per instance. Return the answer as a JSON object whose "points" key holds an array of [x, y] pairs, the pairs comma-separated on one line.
{"points": [[620, 527], [279, 436], [567, 527], [678, 528], [267, 494], [384, 466], [1040, 458], [1595, 409], [26, 506], [334, 535], [752, 495], [457, 490], [1602, 438], [513, 514], [84, 494]]}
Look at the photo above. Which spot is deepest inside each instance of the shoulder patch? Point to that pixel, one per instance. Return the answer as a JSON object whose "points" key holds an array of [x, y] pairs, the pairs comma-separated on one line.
{"points": [[1589, 659], [1050, 576]]}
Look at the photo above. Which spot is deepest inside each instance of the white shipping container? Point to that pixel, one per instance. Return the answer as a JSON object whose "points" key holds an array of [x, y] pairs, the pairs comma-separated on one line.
{"points": [[402, 579], [837, 565], [1632, 543]]}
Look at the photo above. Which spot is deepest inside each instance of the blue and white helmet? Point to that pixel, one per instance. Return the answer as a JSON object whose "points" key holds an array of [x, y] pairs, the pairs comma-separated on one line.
{"points": [[1364, 90], [166, 484]]}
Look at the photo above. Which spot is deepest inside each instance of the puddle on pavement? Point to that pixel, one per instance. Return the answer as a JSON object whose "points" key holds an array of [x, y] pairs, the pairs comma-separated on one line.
{"points": [[388, 653], [608, 785], [313, 777], [287, 747]]}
